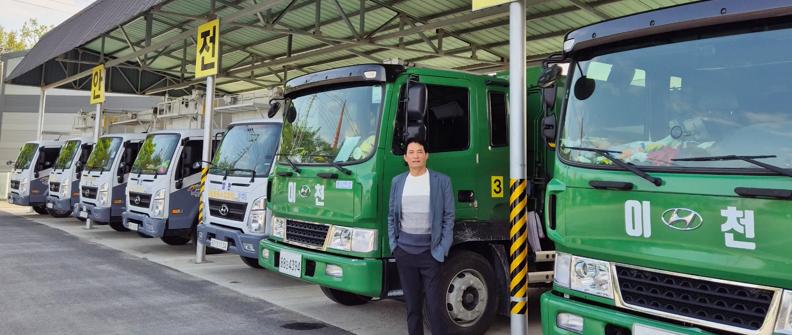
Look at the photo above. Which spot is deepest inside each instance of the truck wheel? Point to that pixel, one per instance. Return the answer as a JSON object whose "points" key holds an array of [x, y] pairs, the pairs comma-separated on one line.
{"points": [[58, 214], [345, 298], [175, 240], [251, 262], [469, 288], [118, 226], [41, 210]]}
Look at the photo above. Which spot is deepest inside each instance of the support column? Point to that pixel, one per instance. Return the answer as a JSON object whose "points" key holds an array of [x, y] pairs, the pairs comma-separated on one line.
{"points": [[97, 133], [518, 252], [42, 106], [200, 248]]}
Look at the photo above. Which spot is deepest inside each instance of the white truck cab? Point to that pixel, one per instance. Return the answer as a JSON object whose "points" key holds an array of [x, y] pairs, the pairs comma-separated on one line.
{"points": [[29, 180], [104, 178], [64, 181], [236, 188], [163, 191]]}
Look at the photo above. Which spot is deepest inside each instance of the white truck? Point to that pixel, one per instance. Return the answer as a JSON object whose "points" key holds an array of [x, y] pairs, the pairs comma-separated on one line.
{"points": [[164, 186], [64, 181], [236, 189], [30, 176], [104, 179]]}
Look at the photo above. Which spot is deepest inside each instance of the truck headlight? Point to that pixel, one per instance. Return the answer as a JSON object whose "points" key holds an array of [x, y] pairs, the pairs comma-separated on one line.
{"points": [[561, 273], [103, 196], [591, 276], [158, 203], [257, 221], [23, 186], [279, 227], [784, 323], [353, 239]]}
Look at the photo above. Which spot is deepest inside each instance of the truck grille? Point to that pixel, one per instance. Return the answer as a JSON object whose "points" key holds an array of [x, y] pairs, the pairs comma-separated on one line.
{"points": [[732, 305], [15, 184], [54, 187], [308, 234], [89, 192], [139, 199], [227, 210]]}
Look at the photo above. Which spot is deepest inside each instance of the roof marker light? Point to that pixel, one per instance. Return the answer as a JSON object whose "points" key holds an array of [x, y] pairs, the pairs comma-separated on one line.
{"points": [[569, 44], [370, 74]]}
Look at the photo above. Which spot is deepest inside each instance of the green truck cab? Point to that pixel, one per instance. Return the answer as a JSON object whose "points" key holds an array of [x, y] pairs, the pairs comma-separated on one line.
{"points": [[670, 198], [342, 145]]}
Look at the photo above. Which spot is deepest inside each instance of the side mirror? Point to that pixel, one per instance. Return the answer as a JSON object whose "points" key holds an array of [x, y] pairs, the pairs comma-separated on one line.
{"points": [[35, 174], [291, 113], [548, 82], [179, 183], [549, 130], [274, 107], [415, 109]]}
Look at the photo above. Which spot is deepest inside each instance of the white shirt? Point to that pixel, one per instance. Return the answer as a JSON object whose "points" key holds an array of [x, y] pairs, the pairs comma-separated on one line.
{"points": [[415, 205]]}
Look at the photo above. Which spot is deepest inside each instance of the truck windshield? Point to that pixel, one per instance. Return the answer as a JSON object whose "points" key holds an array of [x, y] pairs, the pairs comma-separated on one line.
{"points": [[725, 95], [246, 148], [66, 155], [156, 153], [338, 125], [26, 156], [104, 154]]}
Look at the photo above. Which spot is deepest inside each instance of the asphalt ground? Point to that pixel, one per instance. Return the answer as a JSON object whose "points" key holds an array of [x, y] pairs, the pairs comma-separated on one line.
{"points": [[58, 277]]}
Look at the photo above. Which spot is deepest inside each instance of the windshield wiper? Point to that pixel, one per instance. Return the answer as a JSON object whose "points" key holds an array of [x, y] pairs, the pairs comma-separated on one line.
{"points": [[749, 159], [252, 173], [341, 168], [627, 166], [291, 163]]}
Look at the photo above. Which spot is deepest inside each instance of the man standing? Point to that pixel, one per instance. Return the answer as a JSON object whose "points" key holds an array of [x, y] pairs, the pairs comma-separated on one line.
{"points": [[420, 232]]}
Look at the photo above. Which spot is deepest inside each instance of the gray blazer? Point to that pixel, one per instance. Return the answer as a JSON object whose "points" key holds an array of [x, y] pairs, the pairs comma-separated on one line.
{"points": [[441, 210]]}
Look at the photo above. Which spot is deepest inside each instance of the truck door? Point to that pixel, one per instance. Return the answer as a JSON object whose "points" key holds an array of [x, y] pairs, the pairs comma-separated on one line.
{"points": [[448, 134], [493, 156]]}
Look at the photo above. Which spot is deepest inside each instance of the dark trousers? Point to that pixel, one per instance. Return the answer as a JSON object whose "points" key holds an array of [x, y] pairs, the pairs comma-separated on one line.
{"points": [[419, 275]]}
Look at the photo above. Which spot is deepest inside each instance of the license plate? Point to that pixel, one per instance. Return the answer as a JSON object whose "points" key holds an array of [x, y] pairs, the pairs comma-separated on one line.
{"points": [[290, 264], [84, 215], [49, 205], [218, 244], [639, 329], [133, 226]]}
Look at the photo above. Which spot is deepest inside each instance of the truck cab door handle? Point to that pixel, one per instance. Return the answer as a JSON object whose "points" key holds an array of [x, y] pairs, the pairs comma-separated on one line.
{"points": [[611, 185], [466, 196]]}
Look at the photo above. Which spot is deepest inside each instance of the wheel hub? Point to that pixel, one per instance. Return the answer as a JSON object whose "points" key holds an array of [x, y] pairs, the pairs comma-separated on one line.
{"points": [[466, 297]]}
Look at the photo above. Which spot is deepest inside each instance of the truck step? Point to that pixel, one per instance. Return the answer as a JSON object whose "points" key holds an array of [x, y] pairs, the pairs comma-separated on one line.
{"points": [[545, 256], [540, 277]]}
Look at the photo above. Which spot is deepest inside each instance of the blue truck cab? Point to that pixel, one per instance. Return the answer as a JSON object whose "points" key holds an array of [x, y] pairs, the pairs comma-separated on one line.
{"points": [[104, 178], [64, 181], [30, 176], [236, 189], [164, 187]]}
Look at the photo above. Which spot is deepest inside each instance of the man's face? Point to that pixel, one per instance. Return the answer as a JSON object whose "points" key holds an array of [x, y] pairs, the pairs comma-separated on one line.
{"points": [[416, 156]]}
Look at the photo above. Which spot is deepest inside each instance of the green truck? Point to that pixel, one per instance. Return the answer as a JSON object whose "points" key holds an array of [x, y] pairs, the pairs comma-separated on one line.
{"points": [[341, 146], [670, 199]]}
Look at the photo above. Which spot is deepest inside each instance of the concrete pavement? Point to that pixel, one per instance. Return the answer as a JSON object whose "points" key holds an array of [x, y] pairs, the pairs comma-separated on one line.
{"points": [[226, 270]]}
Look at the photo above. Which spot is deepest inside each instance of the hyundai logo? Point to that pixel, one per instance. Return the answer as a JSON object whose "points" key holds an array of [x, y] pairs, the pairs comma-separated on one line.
{"points": [[682, 218], [137, 200], [223, 210], [305, 191]]}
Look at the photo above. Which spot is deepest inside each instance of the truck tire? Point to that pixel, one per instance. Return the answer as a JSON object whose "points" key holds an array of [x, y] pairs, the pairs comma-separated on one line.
{"points": [[118, 226], [467, 283], [41, 210], [176, 240], [344, 298], [59, 214], [251, 262]]}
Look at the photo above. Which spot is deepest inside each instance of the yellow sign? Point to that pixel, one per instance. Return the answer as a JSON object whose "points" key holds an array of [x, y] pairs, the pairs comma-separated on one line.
{"points": [[497, 187], [97, 84], [207, 47], [481, 4]]}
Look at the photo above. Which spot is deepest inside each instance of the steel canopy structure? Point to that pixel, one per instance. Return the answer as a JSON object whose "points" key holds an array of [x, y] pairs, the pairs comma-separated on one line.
{"points": [[148, 45]]}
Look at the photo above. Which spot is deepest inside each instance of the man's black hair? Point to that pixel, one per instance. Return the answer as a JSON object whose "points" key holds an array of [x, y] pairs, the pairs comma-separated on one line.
{"points": [[417, 141]]}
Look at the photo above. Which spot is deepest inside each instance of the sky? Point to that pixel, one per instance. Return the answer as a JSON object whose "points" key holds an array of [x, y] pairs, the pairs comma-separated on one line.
{"points": [[50, 12]]}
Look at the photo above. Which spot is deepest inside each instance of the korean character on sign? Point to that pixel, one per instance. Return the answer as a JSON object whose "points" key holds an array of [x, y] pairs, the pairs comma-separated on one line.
{"points": [[739, 223]]}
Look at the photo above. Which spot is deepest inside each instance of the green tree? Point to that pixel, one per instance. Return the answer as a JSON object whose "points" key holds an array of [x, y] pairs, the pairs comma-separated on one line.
{"points": [[22, 39]]}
